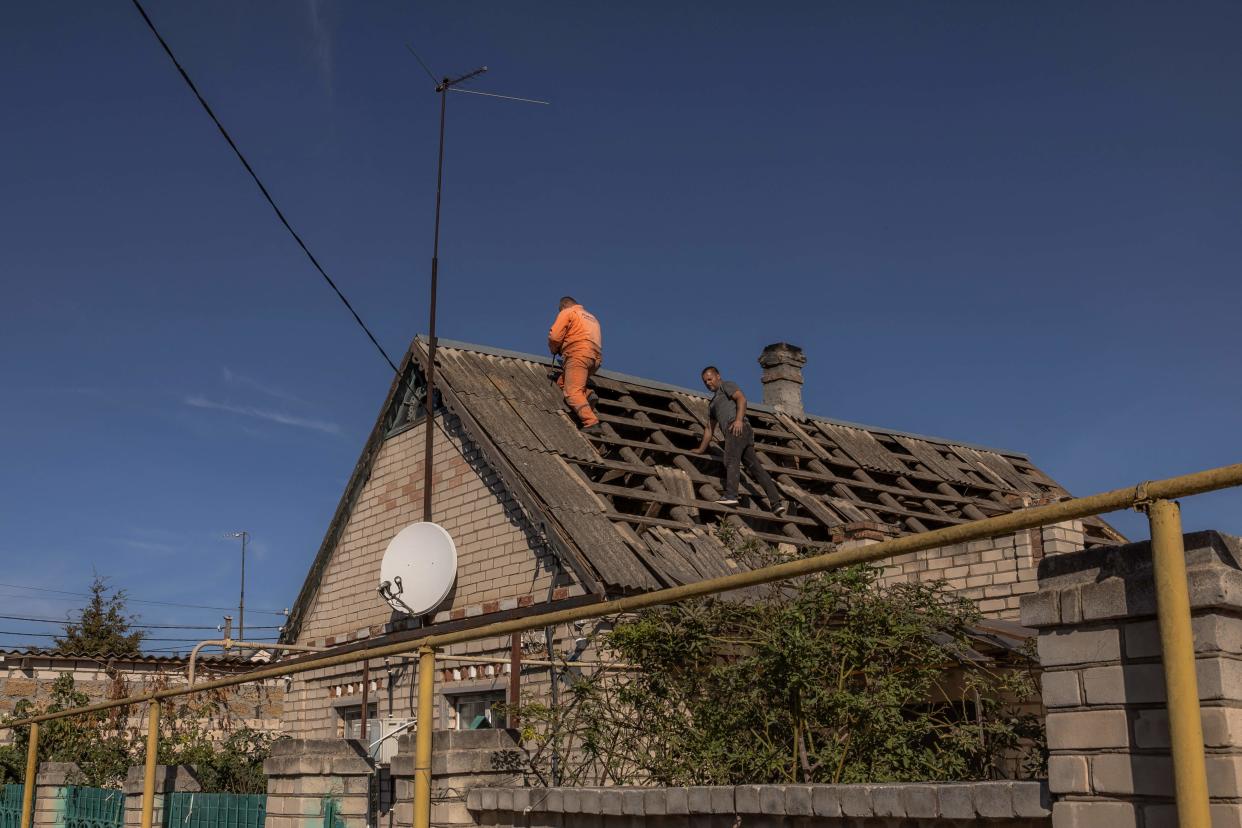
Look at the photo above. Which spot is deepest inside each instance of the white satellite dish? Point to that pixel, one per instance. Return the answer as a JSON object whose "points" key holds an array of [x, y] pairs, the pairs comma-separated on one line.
{"points": [[418, 570]]}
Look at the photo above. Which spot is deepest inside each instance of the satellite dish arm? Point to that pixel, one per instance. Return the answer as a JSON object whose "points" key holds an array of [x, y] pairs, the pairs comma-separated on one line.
{"points": [[392, 597]]}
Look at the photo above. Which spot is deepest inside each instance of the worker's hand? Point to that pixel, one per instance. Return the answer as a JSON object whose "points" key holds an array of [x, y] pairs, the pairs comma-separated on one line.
{"points": [[735, 428]]}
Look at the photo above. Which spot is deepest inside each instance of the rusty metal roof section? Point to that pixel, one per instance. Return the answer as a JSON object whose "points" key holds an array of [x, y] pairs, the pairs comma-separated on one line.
{"points": [[633, 508]]}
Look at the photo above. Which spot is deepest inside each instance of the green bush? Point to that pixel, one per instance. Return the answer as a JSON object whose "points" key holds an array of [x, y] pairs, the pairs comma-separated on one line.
{"points": [[832, 678]]}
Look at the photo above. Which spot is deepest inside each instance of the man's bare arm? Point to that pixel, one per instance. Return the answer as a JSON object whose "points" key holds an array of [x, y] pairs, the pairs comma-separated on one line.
{"points": [[707, 438], [735, 428]]}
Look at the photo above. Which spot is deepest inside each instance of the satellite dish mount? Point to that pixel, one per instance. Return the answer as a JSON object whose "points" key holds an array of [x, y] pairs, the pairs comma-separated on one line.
{"points": [[391, 592]]}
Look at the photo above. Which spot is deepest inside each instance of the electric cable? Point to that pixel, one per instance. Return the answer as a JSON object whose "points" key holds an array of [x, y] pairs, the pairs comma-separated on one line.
{"points": [[130, 600], [263, 189], [267, 195], [144, 638], [131, 626]]}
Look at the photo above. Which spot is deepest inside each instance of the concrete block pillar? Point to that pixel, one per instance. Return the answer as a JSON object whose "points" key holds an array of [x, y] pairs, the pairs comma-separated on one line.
{"points": [[1103, 681], [50, 791], [168, 779], [304, 775], [460, 760]]}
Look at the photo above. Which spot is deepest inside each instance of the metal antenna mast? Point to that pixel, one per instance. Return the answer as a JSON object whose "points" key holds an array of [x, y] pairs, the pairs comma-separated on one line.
{"points": [[443, 87]]}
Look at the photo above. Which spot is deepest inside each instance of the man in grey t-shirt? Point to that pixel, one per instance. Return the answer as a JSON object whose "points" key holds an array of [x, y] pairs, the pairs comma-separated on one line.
{"points": [[727, 409]]}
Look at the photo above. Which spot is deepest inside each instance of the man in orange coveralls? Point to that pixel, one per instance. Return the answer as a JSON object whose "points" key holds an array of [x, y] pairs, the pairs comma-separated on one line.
{"points": [[575, 336]]}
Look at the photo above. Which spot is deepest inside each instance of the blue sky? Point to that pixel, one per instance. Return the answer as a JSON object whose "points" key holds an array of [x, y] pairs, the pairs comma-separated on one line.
{"points": [[1012, 224]]}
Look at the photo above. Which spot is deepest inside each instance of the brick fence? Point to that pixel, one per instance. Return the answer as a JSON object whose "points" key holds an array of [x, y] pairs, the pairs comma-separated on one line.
{"points": [[1009, 804], [1103, 682]]}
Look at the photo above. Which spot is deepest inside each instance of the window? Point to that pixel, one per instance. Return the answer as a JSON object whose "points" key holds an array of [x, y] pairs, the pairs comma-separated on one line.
{"points": [[472, 711], [413, 402], [351, 721]]}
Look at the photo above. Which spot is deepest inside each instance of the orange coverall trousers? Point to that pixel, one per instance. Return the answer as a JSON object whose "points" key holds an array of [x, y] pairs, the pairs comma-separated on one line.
{"points": [[573, 381]]}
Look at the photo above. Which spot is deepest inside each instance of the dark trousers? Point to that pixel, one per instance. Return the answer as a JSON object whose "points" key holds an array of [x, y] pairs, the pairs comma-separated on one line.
{"points": [[737, 449]]}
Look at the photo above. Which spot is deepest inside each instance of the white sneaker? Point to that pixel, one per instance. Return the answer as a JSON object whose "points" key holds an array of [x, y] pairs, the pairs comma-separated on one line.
{"points": [[727, 501]]}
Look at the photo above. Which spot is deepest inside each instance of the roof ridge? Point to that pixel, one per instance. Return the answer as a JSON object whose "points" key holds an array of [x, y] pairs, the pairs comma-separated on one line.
{"points": [[489, 350]]}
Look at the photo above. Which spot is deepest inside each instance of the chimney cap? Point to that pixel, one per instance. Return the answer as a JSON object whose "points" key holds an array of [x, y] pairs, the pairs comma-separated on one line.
{"points": [[782, 352]]}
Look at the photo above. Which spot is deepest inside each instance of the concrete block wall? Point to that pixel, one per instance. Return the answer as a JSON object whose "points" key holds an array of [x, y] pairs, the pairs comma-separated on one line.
{"points": [[51, 788], [168, 779], [461, 760], [1103, 682], [304, 774], [31, 677], [1010, 804]]}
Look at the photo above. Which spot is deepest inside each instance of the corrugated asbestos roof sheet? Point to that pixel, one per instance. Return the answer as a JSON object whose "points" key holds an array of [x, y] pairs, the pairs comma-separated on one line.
{"points": [[637, 504]]}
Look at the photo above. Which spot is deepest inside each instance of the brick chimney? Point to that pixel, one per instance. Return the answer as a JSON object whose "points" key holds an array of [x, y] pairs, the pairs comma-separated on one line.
{"points": [[782, 377]]}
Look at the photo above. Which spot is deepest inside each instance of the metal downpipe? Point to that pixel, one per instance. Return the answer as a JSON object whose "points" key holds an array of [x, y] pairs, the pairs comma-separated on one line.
{"points": [[148, 772], [32, 773], [422, 738], [1177, 646]]}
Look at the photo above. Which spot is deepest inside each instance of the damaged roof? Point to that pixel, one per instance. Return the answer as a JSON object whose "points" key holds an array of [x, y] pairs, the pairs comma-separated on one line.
{"points": [[633, 509]]}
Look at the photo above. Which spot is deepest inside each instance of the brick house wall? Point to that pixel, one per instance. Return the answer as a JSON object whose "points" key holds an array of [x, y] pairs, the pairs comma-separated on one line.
{"points": [[994, 573], [502, 563]]}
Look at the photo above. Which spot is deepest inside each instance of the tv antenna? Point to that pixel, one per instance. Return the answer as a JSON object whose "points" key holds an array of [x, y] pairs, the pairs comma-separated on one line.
{"points": [[443, 86]]}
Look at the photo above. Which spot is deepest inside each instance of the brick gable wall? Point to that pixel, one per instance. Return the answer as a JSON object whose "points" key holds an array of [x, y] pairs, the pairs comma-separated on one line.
{"points": [[502, 562]]}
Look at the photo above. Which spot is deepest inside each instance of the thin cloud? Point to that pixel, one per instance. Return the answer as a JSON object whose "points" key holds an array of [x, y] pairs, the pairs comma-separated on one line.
{"points": [[149, 546], [278, 417], [233, 378], [321, 42]]}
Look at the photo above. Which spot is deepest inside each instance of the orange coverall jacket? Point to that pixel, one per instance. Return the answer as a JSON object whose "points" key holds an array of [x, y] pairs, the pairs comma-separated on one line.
{"points": [[575, 333]]}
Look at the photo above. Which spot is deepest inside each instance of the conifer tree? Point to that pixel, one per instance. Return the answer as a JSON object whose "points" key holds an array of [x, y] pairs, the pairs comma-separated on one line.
{"points": [[103, 627]]}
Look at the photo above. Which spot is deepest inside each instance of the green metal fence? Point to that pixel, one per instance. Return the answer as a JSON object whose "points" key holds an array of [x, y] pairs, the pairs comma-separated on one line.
{"points": [[94, 807], [214, 810], [11, 806]]}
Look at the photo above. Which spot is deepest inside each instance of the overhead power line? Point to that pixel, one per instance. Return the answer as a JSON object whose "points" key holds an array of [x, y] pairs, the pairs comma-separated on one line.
{"points": [[61, 635], [131, 626], [262, 189], [130, 600]]}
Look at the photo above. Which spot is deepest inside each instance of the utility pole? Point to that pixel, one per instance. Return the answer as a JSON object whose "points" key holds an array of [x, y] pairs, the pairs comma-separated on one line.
{"points": [[241, 600]]}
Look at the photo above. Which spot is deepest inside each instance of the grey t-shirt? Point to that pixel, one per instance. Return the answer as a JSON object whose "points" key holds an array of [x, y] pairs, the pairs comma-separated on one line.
{"points": [[723, 408]]}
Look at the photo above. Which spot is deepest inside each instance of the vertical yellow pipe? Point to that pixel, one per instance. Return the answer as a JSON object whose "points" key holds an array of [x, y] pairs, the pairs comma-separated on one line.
{"points": [[1178, 647], [148, 774], [32, 772], [422, 739]]}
